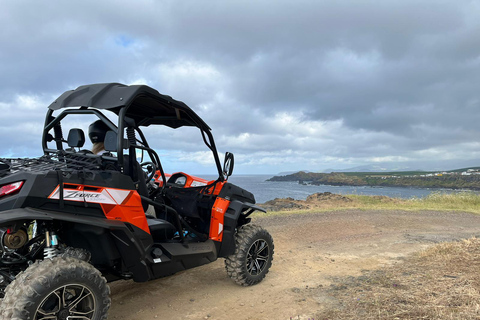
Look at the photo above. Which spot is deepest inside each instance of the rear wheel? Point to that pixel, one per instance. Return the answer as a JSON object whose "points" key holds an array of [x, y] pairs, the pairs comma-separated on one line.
{"points": [[60, 288], [253, 256]]}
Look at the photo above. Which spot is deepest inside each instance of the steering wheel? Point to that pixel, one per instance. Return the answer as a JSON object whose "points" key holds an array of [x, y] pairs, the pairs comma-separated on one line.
{"points": [[149, 173]]}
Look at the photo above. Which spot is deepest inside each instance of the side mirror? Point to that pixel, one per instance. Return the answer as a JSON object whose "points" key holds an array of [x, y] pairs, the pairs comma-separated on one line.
{"points": [[228, 165]]}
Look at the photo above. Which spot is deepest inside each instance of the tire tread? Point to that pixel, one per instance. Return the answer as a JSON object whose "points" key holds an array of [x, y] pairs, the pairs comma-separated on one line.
{"points": [[22, 292], [234, 264]]}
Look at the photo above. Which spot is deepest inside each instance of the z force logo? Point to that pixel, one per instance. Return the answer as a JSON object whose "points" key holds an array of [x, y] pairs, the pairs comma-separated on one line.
{"points": [[81, 195], [103, 195]]}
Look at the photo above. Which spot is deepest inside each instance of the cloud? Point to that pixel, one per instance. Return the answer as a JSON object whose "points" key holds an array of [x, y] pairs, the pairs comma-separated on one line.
{"points": [[310, 84]]}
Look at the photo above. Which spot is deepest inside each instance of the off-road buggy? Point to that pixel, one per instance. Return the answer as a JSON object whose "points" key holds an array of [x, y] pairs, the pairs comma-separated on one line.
{"points": [[72, 220]]}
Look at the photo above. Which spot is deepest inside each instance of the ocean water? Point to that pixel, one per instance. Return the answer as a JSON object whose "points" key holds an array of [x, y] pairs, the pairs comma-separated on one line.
{"points": [[267, 190]]}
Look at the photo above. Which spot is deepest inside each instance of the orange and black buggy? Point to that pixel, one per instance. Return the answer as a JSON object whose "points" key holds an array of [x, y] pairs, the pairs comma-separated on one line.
{"points": [[72, 220]]}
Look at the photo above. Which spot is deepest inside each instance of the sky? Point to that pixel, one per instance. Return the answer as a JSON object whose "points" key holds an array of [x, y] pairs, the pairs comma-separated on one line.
{"points": [[285, 85]]}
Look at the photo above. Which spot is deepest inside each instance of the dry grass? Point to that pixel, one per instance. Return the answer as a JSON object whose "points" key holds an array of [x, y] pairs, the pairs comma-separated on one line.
{"points": [[442, 282], [462, 201]]}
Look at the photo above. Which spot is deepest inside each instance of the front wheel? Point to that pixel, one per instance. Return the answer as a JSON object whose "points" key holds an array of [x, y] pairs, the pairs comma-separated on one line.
{"points": [[253, 256], [59, 288]]}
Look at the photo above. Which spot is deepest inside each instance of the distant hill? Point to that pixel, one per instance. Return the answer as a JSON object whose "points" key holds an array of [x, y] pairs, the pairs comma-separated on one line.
{"points": [[465, 178], [285, 173], [370, 168], [465, 169]]}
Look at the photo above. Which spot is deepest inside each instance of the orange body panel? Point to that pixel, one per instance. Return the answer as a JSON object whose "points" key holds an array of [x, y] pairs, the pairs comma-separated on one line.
{"points": [[158, 177], [215, 190], [117, 204], [218, 188], [190, 180], [131, 210], [216, 222]]}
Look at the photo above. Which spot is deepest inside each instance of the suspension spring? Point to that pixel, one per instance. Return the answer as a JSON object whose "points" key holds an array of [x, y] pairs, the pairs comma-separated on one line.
{"points": [[50, 253], [131, 136]]}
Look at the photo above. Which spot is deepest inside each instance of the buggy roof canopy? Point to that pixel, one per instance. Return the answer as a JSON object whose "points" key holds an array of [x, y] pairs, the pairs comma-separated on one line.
{"points": [[144, 104]]}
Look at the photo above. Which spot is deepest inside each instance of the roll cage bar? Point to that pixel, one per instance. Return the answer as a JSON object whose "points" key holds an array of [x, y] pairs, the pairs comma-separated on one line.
{"points": [[139, 110]]}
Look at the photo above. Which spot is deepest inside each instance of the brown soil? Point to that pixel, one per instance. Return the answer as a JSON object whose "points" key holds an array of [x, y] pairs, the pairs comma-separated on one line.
{"points": [[312, 251], [441, 282]]}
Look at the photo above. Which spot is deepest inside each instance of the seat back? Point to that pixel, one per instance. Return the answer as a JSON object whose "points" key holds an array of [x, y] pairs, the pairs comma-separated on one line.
{"points": [[110, 141], [76, 138], [138, 177]]}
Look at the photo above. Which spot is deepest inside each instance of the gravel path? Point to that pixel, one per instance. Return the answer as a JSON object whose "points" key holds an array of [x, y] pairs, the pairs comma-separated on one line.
{"points": [[311, 250]]}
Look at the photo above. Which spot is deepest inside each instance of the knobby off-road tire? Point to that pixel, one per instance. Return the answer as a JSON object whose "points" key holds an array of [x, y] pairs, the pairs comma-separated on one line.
{"points": [[253, 256], [61, 287], [77, 253]]}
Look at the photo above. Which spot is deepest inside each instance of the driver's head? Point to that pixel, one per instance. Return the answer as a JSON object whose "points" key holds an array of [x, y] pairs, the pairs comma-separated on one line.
{"points": [[97, 131]]}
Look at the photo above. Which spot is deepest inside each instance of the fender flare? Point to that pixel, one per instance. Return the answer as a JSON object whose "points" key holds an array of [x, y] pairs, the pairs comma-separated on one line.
{"points": [[254, 207], [239, 207], [230, 222]]}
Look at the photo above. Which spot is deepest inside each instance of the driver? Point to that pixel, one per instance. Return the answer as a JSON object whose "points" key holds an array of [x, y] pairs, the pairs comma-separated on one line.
{"points": [[96, 132]]}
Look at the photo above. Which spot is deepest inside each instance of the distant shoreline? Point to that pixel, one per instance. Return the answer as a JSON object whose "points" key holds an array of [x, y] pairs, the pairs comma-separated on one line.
{"points": [[379, 186], [450, 180]]}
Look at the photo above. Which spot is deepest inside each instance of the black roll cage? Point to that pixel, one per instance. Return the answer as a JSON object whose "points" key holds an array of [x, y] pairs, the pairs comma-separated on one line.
{"points": [[52, 122]]}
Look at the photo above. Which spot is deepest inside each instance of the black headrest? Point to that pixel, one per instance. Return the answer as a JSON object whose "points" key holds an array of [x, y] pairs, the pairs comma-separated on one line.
{"points": [[76, 138], [110, 143]]}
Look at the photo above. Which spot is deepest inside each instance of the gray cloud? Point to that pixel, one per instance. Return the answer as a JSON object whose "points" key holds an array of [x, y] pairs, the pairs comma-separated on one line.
{"points": [[286, 83]]}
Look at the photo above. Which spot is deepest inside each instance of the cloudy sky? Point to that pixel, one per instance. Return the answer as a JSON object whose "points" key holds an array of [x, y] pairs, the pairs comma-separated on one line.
{"points": [[285, 85]]}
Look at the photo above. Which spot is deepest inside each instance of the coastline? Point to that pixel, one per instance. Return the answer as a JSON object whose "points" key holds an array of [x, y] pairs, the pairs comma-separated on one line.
{"points": [[450, 181]]}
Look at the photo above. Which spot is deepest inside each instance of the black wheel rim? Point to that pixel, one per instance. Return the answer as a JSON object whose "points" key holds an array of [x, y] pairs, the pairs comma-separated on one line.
{"points": [[257, 257], [70, 302]]}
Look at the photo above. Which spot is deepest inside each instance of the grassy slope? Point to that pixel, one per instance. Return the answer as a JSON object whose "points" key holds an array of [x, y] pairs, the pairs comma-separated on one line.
{"points": [[463, 201], [441, 282]]}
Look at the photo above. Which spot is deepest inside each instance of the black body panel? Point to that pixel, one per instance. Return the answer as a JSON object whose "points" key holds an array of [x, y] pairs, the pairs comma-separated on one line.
{"points": [[107, 240], [240, 201], [181, 256], [161, 229], [233, 192]]}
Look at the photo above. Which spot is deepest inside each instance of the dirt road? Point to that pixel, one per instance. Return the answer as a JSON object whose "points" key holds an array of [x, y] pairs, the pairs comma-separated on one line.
{"points": [[311, 250]]}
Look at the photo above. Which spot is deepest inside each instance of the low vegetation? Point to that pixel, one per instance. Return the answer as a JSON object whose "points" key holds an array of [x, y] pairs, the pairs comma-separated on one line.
{"points": [[441, 282], [461, 201]]}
